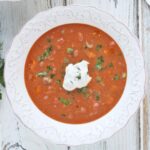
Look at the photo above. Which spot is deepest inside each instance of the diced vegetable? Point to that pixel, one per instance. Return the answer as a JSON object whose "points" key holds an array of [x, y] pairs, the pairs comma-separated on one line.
{"points": [[62, 31], [98, 79], [124, 75], [42, 74], [47, 80], [90, 54]]}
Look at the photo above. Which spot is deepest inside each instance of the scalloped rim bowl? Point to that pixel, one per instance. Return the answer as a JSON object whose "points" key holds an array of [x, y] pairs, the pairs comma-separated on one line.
{"points": [[72, 134]]}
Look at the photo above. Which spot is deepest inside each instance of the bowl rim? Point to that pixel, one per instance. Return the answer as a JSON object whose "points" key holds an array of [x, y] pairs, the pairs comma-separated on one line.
{"points": [[63, 7]]}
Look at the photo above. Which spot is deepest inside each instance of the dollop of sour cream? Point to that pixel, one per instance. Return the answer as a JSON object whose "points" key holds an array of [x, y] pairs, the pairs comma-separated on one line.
{"points": [[76, 76]]}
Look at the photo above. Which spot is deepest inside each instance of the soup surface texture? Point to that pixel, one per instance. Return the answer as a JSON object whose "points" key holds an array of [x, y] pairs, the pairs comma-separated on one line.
{"points": [[70, 44]]}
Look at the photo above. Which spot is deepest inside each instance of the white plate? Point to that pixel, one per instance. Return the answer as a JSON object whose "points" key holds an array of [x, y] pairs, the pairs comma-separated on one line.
{"points": [[48, 128]]}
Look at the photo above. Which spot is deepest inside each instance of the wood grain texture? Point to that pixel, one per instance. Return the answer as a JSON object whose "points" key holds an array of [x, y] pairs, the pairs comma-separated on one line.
{"points": [[133, 13], [125, 11], [13, 15], [144, 35]]}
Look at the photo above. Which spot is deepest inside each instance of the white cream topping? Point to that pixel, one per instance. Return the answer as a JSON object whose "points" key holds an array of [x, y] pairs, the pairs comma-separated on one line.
{"points": [[76, 76]]}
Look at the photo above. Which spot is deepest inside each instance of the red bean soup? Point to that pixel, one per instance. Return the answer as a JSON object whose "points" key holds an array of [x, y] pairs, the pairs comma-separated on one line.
{"points": [[69, 44]]}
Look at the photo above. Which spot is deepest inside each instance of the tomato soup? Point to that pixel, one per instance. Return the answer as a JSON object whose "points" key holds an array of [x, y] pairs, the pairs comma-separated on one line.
{"points": [[70, 44]]}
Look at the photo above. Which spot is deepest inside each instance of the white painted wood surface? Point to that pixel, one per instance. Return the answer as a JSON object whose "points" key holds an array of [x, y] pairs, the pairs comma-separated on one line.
{"points": [[136, 15]]}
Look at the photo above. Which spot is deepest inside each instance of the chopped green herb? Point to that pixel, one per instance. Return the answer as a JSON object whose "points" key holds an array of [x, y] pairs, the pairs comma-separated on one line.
{"points": [[98, 47], [2, 72], [110, 65], [58, 82], [48, 40], [62, 74], [99, 63], [99, 67], [52, 76], [42, 74], [116, 77], [84, 91], [69, 50], [49, 68], [124, 75], [66, 60], [0, 95], [79, 76], [97, 96], [65, 101], [45, 54]]}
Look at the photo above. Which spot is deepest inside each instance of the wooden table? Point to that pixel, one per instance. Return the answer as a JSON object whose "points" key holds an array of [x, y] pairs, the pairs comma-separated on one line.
{"points": [[136, 15]]}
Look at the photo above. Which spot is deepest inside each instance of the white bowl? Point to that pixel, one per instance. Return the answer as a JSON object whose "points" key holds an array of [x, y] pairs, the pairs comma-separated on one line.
{"points": [[74, 134]]}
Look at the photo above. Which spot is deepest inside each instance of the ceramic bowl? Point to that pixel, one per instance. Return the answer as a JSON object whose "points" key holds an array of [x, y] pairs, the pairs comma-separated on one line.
{"points": [[74, 134]]}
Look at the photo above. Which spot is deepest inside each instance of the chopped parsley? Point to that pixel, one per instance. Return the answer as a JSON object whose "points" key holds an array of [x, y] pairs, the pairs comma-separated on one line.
{"points": [[45, 73], [48, 40], [99, 63], [97, 96], [65, 101], [58, 81], [79, 76], [45, 54], [98, 47], [42, 74], [110, 65], [49, 68], [66, 60], [83, 91], [52, 76], [116, 77], [70, 50]]}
